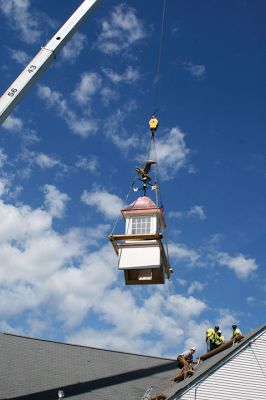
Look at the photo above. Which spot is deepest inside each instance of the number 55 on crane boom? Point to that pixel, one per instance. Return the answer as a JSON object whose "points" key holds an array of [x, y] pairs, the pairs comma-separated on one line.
{"points": [[43, 59]]}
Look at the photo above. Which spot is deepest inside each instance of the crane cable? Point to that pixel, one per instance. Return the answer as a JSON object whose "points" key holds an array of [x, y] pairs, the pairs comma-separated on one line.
{"points": [[125, 201], [156, 108], [152, 141], [157, 74]]}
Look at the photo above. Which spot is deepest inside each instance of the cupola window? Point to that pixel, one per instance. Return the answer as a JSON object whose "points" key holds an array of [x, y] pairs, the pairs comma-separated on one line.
{"points": [[141, 225]]}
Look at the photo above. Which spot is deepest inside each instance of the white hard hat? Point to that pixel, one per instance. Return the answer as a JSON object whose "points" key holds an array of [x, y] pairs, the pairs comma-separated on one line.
{"points": [[193, 348], [219, 331]]}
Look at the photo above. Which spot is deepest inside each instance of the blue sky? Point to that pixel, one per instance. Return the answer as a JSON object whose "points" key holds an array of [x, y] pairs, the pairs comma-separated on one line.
{"points": [[68, 154]]}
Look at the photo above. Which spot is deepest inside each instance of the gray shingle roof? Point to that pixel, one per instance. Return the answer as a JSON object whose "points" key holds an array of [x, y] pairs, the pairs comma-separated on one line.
{"points": [[34, 369]]}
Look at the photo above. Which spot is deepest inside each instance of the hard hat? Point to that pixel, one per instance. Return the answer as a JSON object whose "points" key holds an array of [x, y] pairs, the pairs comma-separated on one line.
{"points": [[193, 348], [234, 326], [219, 331]]}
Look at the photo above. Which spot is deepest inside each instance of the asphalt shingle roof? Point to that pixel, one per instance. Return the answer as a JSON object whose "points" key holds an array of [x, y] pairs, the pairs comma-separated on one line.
{"points": [[34, 369]]}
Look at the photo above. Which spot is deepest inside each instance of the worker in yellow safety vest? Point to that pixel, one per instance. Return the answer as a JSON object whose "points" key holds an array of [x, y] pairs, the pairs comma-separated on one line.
{"points": [[219, 339], [236, 331], [210, 337], [153, 123]]}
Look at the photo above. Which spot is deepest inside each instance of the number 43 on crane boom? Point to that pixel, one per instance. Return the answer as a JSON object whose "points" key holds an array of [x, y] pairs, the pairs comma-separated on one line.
{"points": [[43, 59]]}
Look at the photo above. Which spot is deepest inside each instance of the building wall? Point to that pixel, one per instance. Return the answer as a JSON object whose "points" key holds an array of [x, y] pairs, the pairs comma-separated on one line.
{"points": [[241, 378]]}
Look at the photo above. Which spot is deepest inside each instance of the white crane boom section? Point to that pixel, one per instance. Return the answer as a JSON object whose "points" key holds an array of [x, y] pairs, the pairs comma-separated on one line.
{"points": [[43, 59]]}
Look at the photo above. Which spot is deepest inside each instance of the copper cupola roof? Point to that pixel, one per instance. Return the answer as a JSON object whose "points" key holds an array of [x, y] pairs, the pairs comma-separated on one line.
{"points": [[142, 203]]}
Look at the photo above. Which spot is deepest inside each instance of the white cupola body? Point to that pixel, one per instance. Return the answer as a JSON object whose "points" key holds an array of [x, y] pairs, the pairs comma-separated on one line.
{"points": [[140, 251]]}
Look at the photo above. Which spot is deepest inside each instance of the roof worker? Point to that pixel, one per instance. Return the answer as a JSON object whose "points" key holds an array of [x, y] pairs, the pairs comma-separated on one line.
{"points": [[210, 337], [154, 123], [185, 363], [236, 331], [219, 339], [185, 360]]}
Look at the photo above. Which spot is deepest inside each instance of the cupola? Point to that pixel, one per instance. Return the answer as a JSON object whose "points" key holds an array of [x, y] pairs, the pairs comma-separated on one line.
{"points": [[140, 250]]}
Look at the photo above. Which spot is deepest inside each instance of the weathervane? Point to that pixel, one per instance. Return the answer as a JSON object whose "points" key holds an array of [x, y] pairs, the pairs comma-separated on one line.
{"points": [[145, 178]]}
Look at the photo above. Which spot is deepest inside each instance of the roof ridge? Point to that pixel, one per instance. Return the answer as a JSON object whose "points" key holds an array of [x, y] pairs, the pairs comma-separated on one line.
{"points": [[83, 346]]}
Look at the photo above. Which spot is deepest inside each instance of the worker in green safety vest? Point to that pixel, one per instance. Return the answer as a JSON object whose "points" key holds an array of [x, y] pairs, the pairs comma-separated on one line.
{"points": [[210, 337], [236, 331], [219, 339]]}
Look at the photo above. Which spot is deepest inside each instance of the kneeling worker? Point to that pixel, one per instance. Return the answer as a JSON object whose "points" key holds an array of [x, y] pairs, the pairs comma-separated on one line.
{"points": [[236, 331], [185, 359]]}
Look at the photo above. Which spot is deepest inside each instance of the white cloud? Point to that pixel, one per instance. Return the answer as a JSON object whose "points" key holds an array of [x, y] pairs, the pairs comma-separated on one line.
{"points": [[50, 279], [196, 70], [3, 184], [3, 158], [120, 30], [104, 202], [74, 284], [14, 192], [20, 56], [108, 95], [55, 201], [89, 84], [45, 161], [185, 307], [180, 252], [34, 259], [197, 211], [181, 282], [20, 222], [74, 47], [13, 123], [5, 187], [130, 75], [242, 266], [250, 300], [81, 125], [88, 163], [56, 279], [172, 153], [164, 316], [115, 131], [175, 214], [22, 19], [195, 286]]}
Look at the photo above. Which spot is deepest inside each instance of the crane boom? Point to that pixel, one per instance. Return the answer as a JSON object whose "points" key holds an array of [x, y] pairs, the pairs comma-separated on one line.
{"points": [[43, 59]]}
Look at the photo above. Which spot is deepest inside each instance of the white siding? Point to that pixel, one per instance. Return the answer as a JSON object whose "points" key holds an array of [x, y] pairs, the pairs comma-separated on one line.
{"points": [[241, 378], [139, 256]]}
